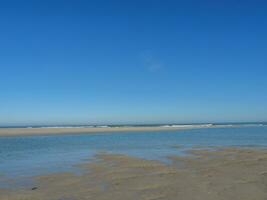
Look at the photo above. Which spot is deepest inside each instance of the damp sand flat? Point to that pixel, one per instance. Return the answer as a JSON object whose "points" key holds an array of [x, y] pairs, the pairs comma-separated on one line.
{"points": [[222, 174]]}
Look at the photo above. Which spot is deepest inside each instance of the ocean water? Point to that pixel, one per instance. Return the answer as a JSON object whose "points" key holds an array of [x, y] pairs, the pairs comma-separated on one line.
{"points": [[26, 156]]}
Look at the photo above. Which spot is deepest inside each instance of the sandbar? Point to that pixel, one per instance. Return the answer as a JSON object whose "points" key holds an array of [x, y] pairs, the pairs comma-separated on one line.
{"points": [[94, 130]]}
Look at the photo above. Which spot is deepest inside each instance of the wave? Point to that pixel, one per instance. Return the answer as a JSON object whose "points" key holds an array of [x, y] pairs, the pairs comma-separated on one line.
{"points": [[186, 125]]}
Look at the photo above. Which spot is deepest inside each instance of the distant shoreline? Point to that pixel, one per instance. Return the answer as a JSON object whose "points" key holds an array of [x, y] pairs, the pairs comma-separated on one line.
{"points": [[94, 130], [64, 131]]}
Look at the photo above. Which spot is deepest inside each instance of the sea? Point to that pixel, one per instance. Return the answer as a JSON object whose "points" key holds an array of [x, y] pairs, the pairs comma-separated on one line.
{"points": [[23, 157]]}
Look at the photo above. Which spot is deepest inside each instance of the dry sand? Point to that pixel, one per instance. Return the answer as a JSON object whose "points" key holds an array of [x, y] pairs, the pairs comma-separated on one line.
{"points": [[226, 174]]}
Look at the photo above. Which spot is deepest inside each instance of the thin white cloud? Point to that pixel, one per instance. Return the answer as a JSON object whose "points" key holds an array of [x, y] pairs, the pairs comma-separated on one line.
{"points": [[152, 63]]}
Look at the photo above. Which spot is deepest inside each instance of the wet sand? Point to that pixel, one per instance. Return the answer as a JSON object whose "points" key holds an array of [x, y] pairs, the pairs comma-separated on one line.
{"points": [[58, 131], [223, 174]]}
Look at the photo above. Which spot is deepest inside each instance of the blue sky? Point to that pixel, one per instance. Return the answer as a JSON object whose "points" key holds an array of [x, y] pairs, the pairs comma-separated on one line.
{"points": [[132, 61]]}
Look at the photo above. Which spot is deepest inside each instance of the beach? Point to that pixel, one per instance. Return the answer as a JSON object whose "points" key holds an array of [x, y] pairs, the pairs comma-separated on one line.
{"points": [[188, 164], [221, 174], [133, 100], [78, 130]]}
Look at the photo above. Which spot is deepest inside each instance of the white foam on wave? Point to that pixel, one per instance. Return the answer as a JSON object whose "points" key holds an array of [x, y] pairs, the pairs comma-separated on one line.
{"points": [[103, 126], [186, 125]]}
